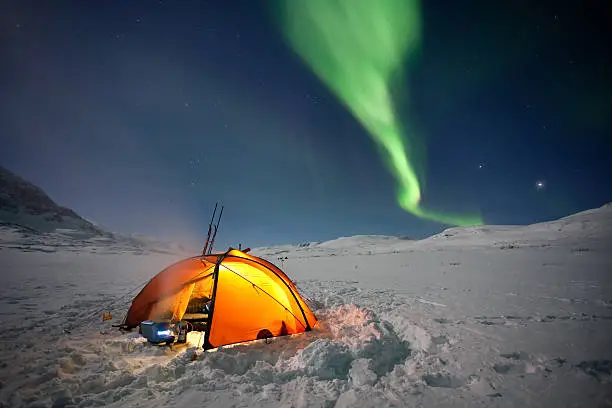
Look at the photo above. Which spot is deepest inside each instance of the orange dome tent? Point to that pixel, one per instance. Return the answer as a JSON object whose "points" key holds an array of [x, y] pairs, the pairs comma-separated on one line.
{"points": [[248, 298]]}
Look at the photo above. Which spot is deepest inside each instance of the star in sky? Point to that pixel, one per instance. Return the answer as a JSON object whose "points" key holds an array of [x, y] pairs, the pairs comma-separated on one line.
{"points": [[540, 185]]}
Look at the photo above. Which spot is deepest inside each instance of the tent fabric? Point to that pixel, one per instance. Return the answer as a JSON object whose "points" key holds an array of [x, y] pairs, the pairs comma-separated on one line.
{"points": [[162, 292], [251, 298], [309, 315]]}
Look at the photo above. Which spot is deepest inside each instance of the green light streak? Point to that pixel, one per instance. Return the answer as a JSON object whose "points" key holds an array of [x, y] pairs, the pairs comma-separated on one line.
{"points": [[356, 47]]}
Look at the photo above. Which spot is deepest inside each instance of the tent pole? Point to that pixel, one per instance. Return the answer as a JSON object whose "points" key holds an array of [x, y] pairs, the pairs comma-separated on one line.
{"points": [[206, 345]]}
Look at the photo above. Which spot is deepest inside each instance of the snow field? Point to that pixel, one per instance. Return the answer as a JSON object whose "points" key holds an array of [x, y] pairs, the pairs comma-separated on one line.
{"points": [[503, 317]]}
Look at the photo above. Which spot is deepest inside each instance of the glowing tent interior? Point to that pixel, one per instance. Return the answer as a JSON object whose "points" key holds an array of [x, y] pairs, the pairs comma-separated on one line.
{"points": [[233, 297]]}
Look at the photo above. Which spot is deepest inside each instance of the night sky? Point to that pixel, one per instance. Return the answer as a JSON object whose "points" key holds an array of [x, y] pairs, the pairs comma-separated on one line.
{"points": [[140, 115]]}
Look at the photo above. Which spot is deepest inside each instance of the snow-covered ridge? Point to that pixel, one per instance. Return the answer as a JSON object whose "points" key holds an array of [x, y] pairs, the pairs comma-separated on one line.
{"points": [[27, 205], [31, 221], [591, 224]]}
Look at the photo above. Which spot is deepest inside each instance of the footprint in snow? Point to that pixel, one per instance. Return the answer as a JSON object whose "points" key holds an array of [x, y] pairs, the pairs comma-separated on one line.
{"points": [[440, 380], [440, 340], [515, 355], [521, 363], [511, 364], [507, 368], [601, 370]]}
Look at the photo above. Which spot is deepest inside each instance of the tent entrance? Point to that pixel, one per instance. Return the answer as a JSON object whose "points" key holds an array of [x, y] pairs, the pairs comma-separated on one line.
{"points": [[197, 308], [191, 303], [197, 304], [197, 313]]}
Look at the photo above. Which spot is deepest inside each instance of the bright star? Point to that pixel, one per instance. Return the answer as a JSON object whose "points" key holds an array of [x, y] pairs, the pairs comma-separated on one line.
{"points": [[540, 184]]}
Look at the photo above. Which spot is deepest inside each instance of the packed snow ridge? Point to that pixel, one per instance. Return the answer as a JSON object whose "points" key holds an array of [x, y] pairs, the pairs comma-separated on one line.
{"points": [[485, 316]]}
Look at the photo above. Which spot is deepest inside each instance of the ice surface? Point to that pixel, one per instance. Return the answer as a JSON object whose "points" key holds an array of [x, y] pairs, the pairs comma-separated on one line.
{"points": [[498, 316]]}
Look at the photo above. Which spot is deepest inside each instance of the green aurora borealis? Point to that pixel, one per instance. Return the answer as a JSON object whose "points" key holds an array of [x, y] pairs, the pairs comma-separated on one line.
{"points": [[358, 48]]}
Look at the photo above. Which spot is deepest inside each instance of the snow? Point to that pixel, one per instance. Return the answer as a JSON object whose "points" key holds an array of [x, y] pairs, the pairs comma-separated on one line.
{"points": [[79, 241], [486, 316]]}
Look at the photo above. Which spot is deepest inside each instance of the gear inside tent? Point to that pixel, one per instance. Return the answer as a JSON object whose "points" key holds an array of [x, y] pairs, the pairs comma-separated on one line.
{"points": [[232, 297]]}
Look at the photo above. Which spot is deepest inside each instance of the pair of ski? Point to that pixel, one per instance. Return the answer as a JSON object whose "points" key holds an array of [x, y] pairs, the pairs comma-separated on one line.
{"points": [[208, 245]]}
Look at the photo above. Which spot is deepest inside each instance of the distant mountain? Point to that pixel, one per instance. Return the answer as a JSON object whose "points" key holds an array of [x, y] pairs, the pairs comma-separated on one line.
{"points": [[25, 205], [31, 221]]}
